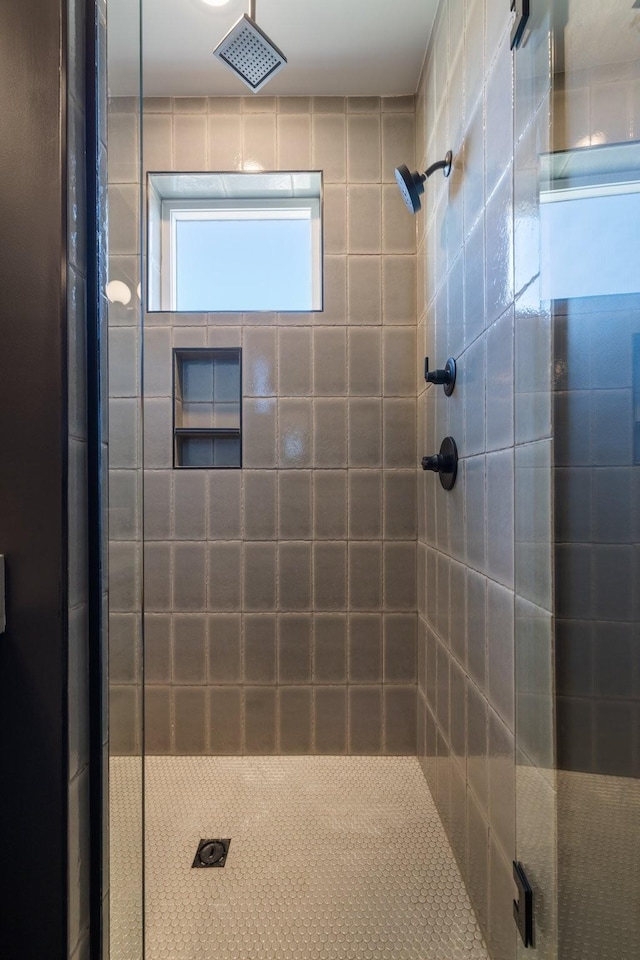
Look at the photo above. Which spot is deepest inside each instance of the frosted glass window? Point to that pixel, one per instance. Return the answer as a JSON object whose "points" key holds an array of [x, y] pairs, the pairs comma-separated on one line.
{"points": [[590, 243], [235, 242], [245, 264], [589, 215]]}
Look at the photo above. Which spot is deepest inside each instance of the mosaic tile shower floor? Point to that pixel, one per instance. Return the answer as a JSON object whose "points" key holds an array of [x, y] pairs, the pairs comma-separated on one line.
{"points": [[332, 858], [598, 856]]}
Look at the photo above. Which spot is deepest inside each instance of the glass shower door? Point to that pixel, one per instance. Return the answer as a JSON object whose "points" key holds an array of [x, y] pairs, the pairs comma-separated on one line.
{"points": [[590, 196], [123, 292], [534, 674], [577, 251]]}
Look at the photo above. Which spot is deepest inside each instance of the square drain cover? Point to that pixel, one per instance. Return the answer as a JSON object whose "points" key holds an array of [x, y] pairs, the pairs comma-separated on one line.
{"points": [[211, 853]]}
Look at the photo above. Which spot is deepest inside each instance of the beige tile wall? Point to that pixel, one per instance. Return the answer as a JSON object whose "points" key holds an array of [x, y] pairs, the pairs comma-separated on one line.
{"points": [[281, 600]]}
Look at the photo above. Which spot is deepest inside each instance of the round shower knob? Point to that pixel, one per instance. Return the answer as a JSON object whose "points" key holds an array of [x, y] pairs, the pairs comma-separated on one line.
{"points": [[445, 463]]}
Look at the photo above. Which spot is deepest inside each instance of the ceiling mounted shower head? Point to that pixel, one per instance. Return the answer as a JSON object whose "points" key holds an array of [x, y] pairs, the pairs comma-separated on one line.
{"points": [[250, 53], [412, 184]]}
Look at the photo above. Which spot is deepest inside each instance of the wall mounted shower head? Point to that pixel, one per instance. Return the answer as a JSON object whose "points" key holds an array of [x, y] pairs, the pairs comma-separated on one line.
{"points": [[412, 184], [250, 53]]}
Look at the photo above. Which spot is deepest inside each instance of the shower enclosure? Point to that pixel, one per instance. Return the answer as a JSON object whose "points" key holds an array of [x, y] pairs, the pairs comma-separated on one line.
{"points": [[384, 694]]}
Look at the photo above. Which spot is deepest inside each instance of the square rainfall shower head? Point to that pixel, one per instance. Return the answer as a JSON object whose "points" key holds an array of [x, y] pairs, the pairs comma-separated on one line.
{"points": [[250, 53]]}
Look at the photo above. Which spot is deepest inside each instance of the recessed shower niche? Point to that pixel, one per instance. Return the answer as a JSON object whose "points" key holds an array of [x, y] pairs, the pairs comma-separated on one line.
{"points": [[207, 408]]}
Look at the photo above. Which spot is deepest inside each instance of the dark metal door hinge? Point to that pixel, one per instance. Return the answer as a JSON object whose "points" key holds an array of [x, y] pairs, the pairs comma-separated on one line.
{"points": [[523, 906], [521, 10]]}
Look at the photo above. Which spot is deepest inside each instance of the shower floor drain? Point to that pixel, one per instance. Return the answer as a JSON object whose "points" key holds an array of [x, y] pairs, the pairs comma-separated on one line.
{"points": [[211, 853]]}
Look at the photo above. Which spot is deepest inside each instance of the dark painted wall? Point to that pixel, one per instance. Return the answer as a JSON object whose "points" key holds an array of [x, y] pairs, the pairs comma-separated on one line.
{"points": [[33, 442]]}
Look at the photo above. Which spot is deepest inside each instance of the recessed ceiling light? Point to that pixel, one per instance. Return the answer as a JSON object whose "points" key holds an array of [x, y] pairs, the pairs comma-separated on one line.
{"points": [[216, 3]]}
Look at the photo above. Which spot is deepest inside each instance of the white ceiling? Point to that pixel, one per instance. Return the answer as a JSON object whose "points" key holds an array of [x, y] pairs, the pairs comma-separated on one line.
{"points": [[333, 47]]}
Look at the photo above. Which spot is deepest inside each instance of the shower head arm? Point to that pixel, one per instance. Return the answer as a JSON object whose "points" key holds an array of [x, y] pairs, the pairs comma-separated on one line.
{"points": [[444, 165], [252, 9]]}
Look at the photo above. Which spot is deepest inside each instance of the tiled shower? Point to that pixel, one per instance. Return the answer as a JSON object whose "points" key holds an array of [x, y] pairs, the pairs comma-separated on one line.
{"points": [[390, 701], [329, 598], [281, 612]]}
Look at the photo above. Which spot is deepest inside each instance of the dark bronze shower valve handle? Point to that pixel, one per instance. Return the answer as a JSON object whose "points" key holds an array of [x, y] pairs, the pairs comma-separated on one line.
{"points": [[444, 463], [445, 378]]}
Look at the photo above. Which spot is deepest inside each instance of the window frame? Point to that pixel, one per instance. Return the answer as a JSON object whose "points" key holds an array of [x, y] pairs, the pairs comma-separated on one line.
{"points": [[595, 172]]}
